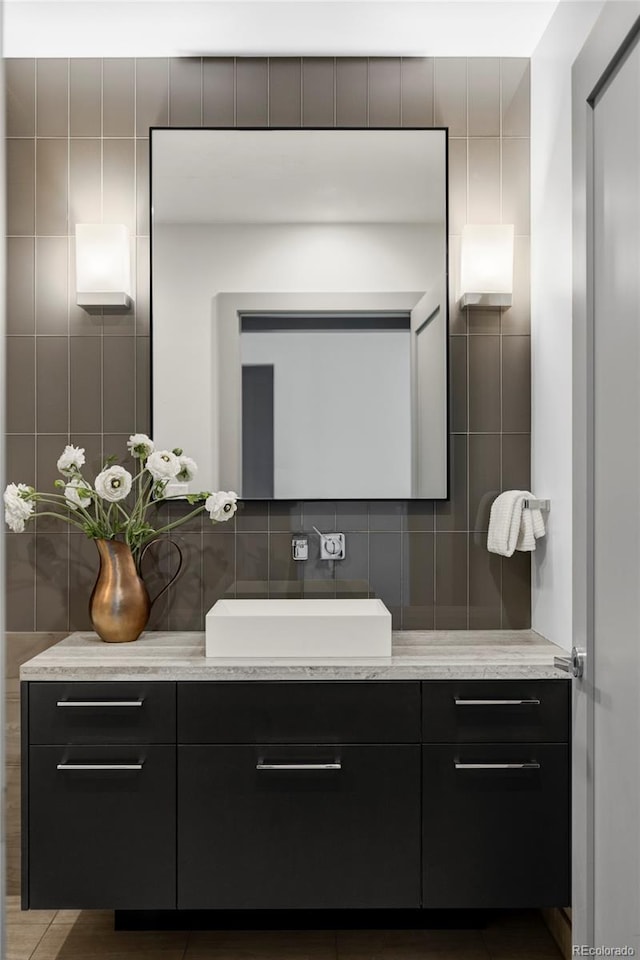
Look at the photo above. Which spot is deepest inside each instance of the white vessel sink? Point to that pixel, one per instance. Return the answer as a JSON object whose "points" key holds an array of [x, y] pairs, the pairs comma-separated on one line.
{"points": [[298, 629]]}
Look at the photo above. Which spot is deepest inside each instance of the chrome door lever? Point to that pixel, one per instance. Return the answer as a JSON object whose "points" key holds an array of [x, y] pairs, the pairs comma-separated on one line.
{"points": [[573, 664]]}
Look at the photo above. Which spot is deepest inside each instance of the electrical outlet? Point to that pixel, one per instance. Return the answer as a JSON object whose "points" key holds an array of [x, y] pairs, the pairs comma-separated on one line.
{"points": [[300, 548]]}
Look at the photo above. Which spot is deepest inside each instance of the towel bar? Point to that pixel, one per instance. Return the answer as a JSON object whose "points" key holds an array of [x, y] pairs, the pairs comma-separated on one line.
{"points": [[538, 504]]}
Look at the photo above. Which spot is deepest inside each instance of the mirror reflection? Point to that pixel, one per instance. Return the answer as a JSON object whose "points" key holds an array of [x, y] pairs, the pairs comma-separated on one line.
{"points": [[300, 309]]}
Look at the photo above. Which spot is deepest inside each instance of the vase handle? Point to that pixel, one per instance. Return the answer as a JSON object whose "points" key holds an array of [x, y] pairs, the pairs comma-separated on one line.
{"points": [[178, 571]]}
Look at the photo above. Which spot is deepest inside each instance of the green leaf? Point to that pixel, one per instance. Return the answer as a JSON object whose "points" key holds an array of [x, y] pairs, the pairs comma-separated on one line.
{"points": [[197, 497]]}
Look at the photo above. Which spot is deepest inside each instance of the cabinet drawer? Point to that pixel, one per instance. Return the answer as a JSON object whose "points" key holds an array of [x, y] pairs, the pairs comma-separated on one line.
{"points": [[300, 712], [298, 827], [495, 711], [107, 712], [102, 828], [496, 836]]}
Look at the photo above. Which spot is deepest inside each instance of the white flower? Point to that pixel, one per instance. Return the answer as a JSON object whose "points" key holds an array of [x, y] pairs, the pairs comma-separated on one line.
{"points": [[113, 484], [139, 445], [163, 465], [16, 508], [188, 469], [71, 460], [222, 505], [76, 493]]}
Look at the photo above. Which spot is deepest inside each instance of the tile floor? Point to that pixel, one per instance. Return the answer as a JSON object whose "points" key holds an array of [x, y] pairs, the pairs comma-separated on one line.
{"points": [[89, 935]]}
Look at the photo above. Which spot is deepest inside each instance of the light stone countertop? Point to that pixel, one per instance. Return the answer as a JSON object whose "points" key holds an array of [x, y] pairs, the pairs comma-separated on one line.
{"points": [[417, 655]]}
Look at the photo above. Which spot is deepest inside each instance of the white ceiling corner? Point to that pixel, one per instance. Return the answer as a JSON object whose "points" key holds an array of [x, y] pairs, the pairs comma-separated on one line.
{"points": [[145, 28]]}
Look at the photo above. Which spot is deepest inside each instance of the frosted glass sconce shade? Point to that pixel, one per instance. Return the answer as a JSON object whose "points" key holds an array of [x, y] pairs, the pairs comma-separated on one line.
{"points": [[103, 272], [486, 266]]}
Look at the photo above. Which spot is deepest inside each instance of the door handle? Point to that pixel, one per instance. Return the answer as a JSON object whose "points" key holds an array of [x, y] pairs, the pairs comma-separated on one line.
{"points": [[496, 703], [100, 766], [99, 703], [497, 766], [336, 765], [573, 664]]}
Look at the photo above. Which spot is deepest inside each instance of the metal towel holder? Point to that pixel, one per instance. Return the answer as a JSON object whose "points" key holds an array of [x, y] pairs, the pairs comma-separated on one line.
{"points": [[538, 505]]}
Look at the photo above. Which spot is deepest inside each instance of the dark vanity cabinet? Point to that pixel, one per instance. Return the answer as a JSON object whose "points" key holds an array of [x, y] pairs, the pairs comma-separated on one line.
{"points": [[309, 794], [99, 808], [291, 795], [495, 794]]}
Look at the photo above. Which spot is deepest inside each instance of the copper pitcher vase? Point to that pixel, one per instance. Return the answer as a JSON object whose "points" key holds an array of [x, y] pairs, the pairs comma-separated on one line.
{"points": [[120, 605]]}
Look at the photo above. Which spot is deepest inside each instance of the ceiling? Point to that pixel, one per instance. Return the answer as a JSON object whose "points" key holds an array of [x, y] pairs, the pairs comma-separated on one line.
{"points": [[145, 28]]}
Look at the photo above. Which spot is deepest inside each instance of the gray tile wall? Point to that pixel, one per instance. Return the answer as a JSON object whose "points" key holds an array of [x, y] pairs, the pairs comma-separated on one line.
{"points": [[78, 151]]}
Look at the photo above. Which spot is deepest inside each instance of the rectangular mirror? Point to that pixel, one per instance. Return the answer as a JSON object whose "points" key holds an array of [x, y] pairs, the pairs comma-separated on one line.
{"points": [[300, 310]]}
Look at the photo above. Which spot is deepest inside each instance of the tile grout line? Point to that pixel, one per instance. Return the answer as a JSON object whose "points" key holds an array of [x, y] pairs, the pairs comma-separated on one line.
{"points": [[35, 331], [334, 76], [301, 91], [501, 355], [134, 273], [468, 445], [186, 945], [44, 933], [85, 137], [68, 218], [102, 369], [235, 92], [269, 59], [63, 236], [368, 69]]}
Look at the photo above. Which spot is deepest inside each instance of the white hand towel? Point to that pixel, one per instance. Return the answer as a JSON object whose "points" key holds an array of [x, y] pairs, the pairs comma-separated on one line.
{"points": [[512, 526], [531, 526], [504, 522]]}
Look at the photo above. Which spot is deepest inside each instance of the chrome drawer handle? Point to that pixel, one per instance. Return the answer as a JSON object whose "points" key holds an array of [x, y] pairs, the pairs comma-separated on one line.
{"points": [[99, 703], [299, 766], [496, 703], [497, 766], [100, 766]]}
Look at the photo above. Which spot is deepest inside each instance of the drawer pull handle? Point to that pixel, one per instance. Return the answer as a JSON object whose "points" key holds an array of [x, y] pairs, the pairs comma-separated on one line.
{"points": [[99, 703], [336, 765], [497, 766], [100, 766], [497, 703]]}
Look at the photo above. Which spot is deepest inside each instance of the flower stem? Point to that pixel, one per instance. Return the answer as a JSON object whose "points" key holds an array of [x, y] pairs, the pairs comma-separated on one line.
{"points": [[58, 499], [58, 516], [176, 523]]}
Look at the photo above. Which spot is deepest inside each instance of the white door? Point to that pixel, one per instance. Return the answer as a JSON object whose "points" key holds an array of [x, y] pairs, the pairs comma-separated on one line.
{"points": [[607, 700]]}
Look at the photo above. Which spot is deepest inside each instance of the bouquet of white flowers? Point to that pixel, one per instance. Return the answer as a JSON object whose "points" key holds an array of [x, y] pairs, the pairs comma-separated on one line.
{"points": [[105, 509], [114, 511]]}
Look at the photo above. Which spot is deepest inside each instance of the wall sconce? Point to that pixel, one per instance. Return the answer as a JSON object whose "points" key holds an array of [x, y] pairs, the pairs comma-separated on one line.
{"points": [[486, 266], [103, 271]]}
